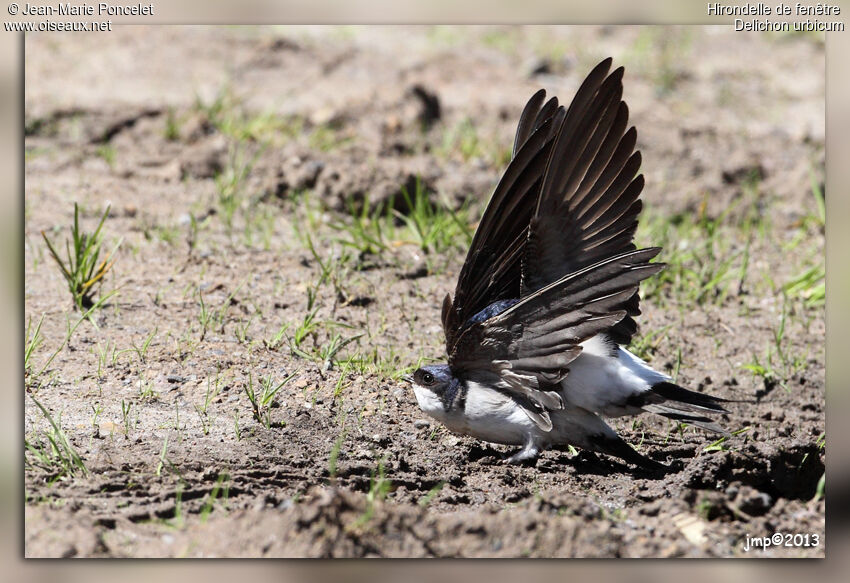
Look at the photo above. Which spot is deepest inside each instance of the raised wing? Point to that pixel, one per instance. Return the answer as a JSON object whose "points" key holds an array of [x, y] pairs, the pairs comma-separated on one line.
{"points": [[588, 204], [492, 270], [528, 347], [568, 199]]}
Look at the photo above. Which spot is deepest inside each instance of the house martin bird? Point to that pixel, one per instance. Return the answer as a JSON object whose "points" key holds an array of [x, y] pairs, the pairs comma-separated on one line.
{"points": [[546, 299]]}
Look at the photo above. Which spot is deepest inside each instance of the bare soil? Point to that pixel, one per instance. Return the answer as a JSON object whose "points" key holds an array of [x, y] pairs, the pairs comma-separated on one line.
{"points": [[155, 121]]}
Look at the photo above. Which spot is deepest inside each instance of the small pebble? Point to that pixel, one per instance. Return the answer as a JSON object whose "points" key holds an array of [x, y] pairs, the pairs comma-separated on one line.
{"points": [[421, 423]]}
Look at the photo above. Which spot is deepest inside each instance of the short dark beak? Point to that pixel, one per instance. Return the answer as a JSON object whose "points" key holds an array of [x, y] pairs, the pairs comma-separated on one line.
{"points": [[408, 378]]}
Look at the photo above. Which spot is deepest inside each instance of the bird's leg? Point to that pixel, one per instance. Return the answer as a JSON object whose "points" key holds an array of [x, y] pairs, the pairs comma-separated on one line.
{"points": [[528, 453]]}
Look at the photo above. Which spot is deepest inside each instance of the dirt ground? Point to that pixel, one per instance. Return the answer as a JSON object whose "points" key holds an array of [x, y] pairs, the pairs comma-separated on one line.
{"points": [[252, 175]]}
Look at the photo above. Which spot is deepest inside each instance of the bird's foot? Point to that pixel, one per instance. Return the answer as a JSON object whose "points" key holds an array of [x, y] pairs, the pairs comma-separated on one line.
{"points": [[527, 455]]}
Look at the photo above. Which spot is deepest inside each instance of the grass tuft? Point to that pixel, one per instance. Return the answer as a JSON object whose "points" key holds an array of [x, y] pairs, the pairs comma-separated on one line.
{"points": [[54, 453], [435, 228], [263, 400], [83, 269], [379, 488]]}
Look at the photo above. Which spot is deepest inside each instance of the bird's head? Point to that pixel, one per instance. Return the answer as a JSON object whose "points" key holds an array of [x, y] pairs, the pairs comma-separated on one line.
{"points": [[435, 387]]}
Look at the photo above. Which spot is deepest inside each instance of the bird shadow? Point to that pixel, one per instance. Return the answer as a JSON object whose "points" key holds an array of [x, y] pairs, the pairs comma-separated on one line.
{"points": [[583, 463], [591, 463], [486, 454]]}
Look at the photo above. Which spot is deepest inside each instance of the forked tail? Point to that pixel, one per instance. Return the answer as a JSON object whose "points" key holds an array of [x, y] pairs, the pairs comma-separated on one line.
{"points": [[680, 404]]}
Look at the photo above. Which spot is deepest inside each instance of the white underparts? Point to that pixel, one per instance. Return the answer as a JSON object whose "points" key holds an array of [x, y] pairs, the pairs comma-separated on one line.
{"points": [[601, 382]]}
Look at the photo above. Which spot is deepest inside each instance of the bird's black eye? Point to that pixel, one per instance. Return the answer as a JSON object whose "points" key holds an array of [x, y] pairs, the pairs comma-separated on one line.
{"points": [[427, 378]]}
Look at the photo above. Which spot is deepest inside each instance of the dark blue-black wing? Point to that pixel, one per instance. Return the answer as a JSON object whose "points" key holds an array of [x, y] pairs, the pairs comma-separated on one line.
{"points": [[589, 199], [492, 270], [568, 199]]}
